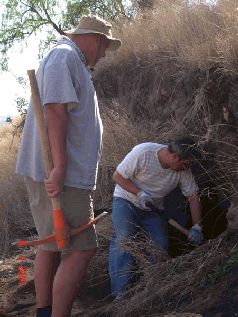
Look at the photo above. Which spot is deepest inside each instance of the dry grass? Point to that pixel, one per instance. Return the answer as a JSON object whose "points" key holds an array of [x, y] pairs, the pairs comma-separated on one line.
{"points": [[14, 210], [175, 75], [164, 59], [172, 285], [194, 33]]}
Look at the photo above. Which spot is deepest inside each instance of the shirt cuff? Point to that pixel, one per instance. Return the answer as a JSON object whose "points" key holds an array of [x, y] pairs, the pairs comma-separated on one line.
{"points": [[191, 194], [122, 173]]}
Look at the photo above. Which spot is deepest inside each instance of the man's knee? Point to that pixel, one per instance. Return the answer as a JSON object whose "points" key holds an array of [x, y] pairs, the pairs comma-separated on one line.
{"points": [[80, 255], [89, 253]]}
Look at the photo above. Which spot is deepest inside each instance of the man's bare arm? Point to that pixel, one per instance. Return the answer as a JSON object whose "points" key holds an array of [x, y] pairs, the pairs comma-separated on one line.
{"points": [[125, 183], [195, 208], [56, 121]]}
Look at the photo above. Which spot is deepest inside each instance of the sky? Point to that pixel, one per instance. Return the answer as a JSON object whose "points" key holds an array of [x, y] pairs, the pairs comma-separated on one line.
{"points": [[10, 88], [19, 62]]}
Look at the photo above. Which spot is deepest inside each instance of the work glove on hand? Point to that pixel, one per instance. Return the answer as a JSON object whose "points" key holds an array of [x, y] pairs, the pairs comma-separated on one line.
{"points": [[144, 200], [195, 235]]}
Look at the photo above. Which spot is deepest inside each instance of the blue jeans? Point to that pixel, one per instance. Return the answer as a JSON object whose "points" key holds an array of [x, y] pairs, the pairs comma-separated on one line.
{"points": [[126, 219]]}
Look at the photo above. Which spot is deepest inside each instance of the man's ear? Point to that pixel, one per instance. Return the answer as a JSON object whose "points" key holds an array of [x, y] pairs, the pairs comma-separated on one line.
{"points": [[175, 157], [98, 38]]}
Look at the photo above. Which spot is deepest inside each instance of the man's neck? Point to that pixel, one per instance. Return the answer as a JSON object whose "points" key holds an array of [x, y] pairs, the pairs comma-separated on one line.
{"points": [[163, 157], [78, 41]]}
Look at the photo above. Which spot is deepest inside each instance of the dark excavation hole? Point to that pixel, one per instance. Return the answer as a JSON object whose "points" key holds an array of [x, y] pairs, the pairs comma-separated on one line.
{"points": [[213, 204]]}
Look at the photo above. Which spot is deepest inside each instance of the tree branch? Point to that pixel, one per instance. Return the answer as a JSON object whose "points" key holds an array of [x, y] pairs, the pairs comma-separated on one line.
{"points": [[55, 26]]}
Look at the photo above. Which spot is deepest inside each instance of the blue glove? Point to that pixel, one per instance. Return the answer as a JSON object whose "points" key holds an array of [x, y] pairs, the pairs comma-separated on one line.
{"points": [[195, 235], [224, 204]]}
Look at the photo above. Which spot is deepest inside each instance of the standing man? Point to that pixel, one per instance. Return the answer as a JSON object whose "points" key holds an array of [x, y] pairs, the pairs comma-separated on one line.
{"points": [[75, 135], [145, 176]]}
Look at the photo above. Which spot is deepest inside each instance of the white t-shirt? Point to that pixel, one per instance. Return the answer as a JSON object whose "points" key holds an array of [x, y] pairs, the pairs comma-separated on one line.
{"points": [[143, 168], [64, 78]]}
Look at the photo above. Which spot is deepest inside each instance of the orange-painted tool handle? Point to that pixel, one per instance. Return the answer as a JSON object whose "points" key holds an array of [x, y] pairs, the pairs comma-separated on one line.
{"points": [[73, 232], [60, 227], [23, 243]]}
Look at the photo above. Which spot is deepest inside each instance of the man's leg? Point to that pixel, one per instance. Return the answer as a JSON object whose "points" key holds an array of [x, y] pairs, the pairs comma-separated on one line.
{"points": [[156, 227], [47, 260], [124, 221], [45, 267], [68, 279]]}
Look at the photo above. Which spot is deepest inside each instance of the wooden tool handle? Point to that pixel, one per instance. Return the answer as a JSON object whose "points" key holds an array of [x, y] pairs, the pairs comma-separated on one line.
{"points": [[176, 225], [40, 121], [61, 236], [171, 221]]}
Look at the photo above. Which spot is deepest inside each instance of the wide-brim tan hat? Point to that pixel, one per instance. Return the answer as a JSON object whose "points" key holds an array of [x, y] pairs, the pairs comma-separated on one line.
{"points": [[96, 25]]}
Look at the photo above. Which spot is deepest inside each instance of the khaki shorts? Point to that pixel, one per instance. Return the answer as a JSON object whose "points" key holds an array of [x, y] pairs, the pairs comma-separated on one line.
{"points": [[77, 206]]}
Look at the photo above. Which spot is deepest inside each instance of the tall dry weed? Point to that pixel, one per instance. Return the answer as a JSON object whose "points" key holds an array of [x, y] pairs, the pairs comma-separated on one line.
{"points": [[227, 39], [195, 33], [14, 209]]}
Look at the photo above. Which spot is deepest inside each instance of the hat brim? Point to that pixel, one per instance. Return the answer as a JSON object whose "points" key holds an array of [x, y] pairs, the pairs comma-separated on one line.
{"points": [[113, 45]]}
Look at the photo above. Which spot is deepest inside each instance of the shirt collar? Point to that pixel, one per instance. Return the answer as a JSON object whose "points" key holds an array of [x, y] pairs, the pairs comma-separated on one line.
{"points": [[65, 40]]}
